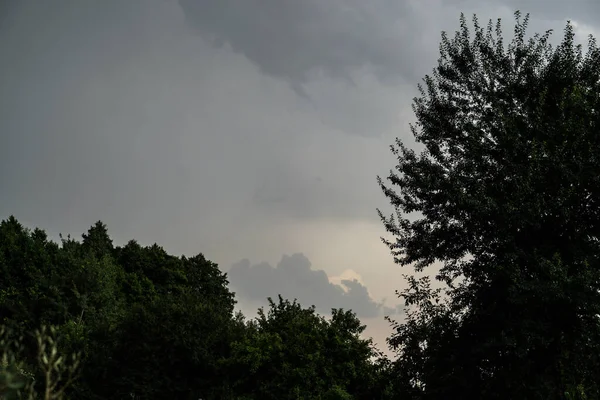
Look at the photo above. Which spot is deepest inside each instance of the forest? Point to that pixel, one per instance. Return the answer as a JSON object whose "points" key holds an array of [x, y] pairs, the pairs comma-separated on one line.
{"points": [[505, 196]]}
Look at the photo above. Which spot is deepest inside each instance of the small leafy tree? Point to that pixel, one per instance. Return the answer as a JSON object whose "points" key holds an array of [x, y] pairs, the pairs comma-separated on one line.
{"points": [[15, 378], [55, 371]]}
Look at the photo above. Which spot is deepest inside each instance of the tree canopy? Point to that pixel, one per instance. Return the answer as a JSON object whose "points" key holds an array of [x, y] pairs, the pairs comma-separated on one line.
{"points": [[505, 199], [149, 325]]}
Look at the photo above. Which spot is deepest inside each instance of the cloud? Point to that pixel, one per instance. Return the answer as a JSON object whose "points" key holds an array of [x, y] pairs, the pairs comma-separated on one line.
{"points": [[294, 278], [170, 140], [584, 10], [347, 59], [293, 39], [352, 60]]}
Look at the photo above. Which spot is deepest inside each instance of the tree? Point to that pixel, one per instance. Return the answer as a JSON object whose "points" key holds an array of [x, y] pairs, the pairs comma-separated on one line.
{"points": [[291, 352], [174, 331], [97, 241], [144, 321], [281, 354], [170, 348], [505, 197]]}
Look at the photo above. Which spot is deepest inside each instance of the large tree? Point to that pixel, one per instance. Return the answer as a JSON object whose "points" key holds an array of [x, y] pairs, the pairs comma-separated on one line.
{"points": [[505, 198]]}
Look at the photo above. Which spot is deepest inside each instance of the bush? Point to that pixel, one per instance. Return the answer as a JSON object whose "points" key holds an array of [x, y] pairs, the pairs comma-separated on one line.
{"points": [[18, 378]]}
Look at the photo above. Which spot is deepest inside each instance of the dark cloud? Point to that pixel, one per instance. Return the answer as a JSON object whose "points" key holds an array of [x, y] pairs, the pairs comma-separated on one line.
{"points": [[294, 278], [350, 60], [367, 47], [293, 39]]}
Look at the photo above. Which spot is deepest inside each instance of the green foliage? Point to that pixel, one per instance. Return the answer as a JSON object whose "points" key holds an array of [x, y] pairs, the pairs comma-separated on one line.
{"points": [[149, 325], [505, 197], [52, 375], [143, 320], [14, 377], [336, 393], [291, 352]]}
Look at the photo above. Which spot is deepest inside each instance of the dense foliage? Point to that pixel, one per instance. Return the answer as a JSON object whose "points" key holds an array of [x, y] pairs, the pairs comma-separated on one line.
{"points": [[149, 325], [505, 197]]}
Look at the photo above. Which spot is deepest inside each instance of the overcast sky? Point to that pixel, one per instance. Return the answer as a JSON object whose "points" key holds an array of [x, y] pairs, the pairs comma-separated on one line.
{"points": [[249, 130]]}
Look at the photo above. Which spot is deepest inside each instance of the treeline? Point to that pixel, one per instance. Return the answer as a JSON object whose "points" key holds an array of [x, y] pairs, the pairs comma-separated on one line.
{"points": [[149, 325]]}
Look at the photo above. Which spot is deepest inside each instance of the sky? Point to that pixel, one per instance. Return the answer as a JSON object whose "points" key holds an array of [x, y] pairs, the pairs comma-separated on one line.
{"points": [[251, 131]]}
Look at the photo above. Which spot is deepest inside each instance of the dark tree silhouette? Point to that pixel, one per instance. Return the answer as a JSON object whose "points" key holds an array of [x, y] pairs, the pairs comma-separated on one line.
{"points": [[506, 197]]}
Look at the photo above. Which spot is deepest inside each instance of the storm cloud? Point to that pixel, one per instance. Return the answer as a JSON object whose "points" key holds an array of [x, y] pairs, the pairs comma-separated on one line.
{"points": [[344, 55], [294, 278], [339, 55], [298, 40], [294, 39]]}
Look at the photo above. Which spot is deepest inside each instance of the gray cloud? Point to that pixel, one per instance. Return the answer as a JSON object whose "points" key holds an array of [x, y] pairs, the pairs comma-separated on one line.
{"points": [[293, 39], [330, 51], [586, 11], [118, 112], [294, 278], [343, 57]]}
